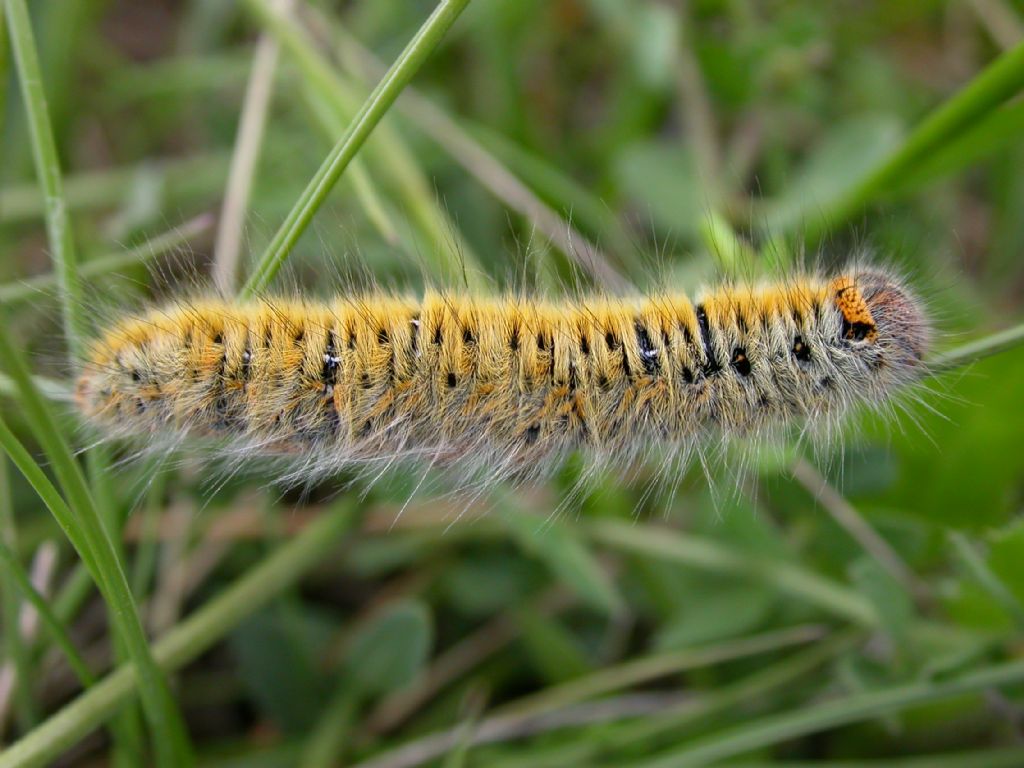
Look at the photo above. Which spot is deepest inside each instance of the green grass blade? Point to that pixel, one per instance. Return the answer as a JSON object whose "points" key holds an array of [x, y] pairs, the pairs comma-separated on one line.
{"points": [[187, 640], [564, 193], [44, 151], [171, 742], [332, 124], [490, 173], [1006, 757], [776, 676], [129, 746], [47, 492], [88, 533], [976, 567], [966, 354], [50, 388], [53, 501], [25, 290], [18, 577], [632, 731], [820, 716], [974, 102], [375, 107], [732, 254], [328, 737], [710, 555], [249, 140], [14, 645], [73, 593], [147, 549], [643, 669], [190, 182], [4, 71], [335, 103]]}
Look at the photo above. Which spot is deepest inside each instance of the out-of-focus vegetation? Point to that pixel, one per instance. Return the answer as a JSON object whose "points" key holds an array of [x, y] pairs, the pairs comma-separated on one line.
{"points": [[863, 605]]}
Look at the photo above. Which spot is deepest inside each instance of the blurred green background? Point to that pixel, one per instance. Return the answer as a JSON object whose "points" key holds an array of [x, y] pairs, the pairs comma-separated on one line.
{"points": [[858, 606]]}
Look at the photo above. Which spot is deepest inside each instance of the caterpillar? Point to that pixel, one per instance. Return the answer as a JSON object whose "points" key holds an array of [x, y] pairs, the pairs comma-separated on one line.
{"points": [[505, 386]]}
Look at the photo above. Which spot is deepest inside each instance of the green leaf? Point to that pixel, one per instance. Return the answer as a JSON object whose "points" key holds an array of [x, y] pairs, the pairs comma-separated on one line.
{"points": [[483, 584], [958, 462], [893, 605], [391, 649], [1006, 558], [717, 612], [843, 159], [662, 181], [656, 40], [985, 93], [1002, 128], [83, 524], [279, 655], [706, 554], [559, 546], [981, 588], [972, 607], [554, 651]]}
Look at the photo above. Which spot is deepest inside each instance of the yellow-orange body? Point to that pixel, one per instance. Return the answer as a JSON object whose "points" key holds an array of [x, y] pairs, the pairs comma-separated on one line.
{"points": [[506, 382]]}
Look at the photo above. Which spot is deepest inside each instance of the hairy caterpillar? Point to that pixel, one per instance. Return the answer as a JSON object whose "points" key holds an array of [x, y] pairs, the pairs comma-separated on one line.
{"points": [[504, 385]]}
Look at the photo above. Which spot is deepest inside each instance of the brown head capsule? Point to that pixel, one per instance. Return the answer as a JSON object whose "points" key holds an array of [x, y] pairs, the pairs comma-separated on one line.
{"points": [[883, 322]]}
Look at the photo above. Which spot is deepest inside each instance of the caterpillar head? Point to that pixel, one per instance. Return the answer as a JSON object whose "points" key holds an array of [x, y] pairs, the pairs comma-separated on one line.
{"points": [[883, 322]]}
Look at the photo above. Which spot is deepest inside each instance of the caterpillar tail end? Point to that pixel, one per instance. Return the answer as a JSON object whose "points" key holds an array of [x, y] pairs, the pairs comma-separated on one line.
{"points": [[97, 394], [85, 395]]}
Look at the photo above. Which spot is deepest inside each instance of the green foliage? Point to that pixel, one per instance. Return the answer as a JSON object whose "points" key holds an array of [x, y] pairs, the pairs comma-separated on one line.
{"points": [[862, 603], [388, 652]]}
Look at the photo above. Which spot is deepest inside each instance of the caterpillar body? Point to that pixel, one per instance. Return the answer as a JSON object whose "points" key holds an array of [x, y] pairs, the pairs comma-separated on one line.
{"points": [[504, 385]]}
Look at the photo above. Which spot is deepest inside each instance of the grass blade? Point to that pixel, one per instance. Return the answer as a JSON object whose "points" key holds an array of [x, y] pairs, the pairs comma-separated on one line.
{"points": [[248, 145], [25, 290], [821, 716], [4, 70], [505, 727], [976, 567], [47, 492], [170, 739], [334, 103], [187, 640], [643, 669], [985, 93], [728, 698], [710, 555], [375, 107], [44, 152], [16, 574], [1006, 757], [14, 645], [966, 354], [333, 124], [492, 174], [89, 535], [190, 182]]}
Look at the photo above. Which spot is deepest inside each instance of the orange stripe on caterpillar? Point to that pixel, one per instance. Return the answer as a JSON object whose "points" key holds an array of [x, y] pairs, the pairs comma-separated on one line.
{"points": [[858, 322], [467, 381]]}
